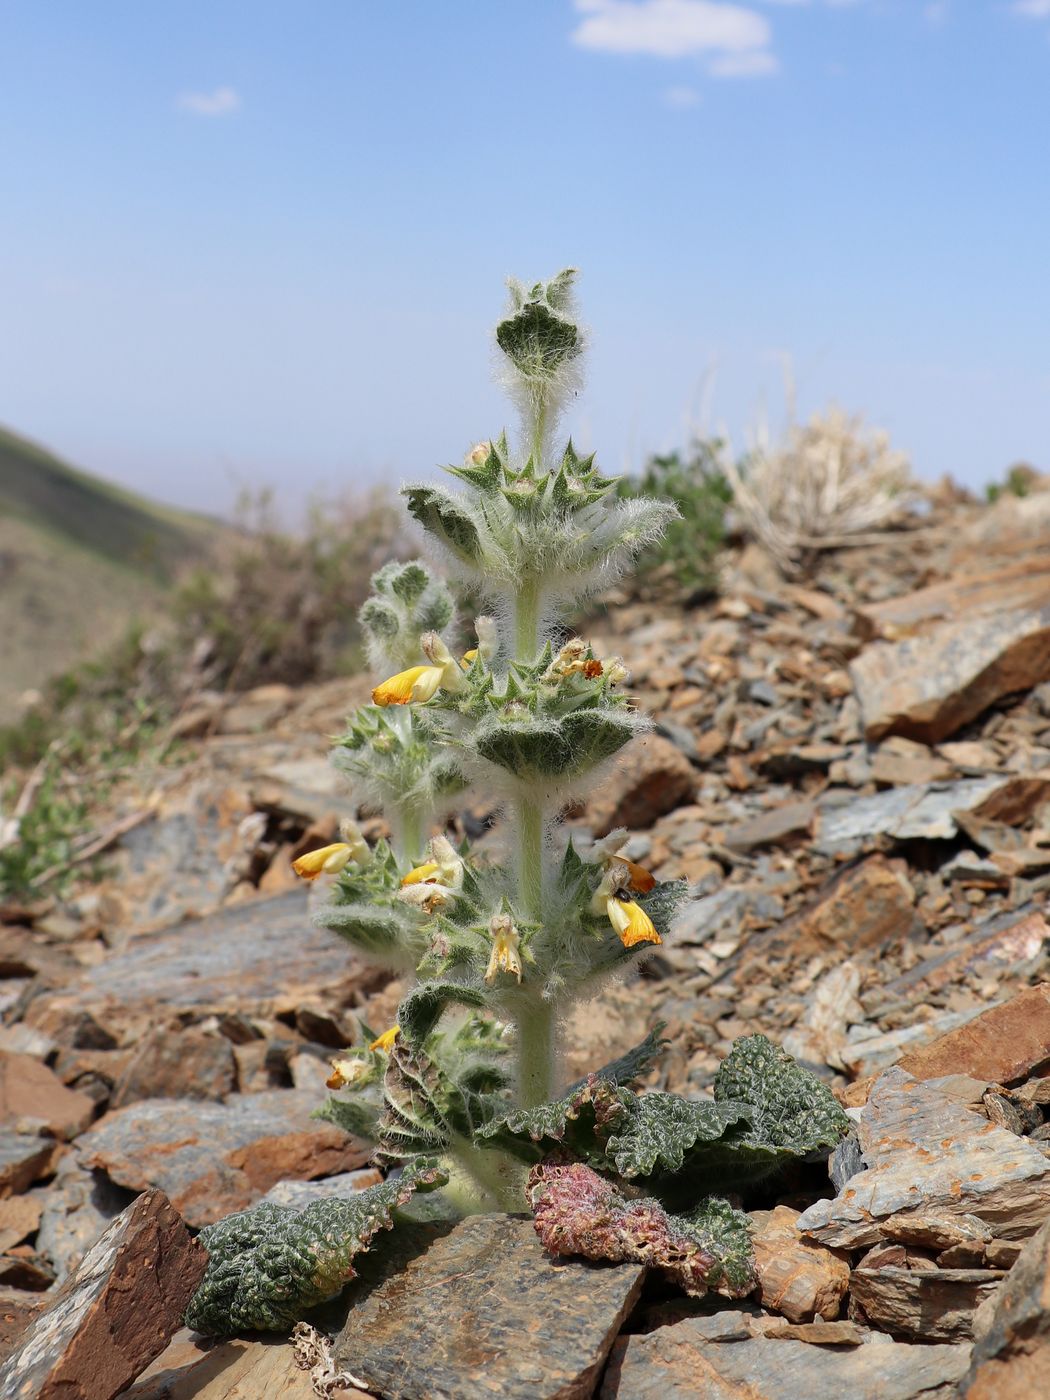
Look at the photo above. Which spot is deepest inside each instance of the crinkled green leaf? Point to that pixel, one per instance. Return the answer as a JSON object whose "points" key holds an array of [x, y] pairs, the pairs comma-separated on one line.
{"points": [[791, 1109], [538, 340], [579, 1212], [660, 1131], [269, 1265]]}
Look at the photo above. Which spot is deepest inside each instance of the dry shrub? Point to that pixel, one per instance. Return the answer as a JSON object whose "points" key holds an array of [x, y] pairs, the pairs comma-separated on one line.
{"points": [[282, 606], [826, 485]]}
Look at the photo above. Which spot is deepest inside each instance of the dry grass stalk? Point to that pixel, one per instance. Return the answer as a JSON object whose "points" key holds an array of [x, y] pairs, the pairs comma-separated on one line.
{"points": [[824, 486]]}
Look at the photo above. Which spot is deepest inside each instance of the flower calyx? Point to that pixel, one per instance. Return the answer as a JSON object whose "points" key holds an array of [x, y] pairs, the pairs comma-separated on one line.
{"points": [[506, 948]]}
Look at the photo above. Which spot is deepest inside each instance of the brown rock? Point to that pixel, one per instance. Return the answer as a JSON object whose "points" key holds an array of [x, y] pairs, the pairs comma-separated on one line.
{"points": [[17, 1311], [925, 1155], [795, 1276], [817, 1334], [213, 1159], [176, 1063], [688, 1361], [113, 1316], [1011, 1360], [652, 777], [1003, 1046], [941, 674], [19, 1217], [483, 1311], [196, 1368], [30, 1092], [866, 906], [24, 1160], [930, 1305]]}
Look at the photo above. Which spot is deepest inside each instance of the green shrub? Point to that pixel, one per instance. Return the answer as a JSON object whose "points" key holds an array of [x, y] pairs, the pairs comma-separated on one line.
{"points": [[698, 487]]}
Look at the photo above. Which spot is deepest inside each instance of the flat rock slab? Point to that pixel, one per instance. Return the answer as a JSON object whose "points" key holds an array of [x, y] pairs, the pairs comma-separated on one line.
{"points": [[928, 684], [924, 1154], [212, 1159], [251, 959], [114, 1315], [31, 1091], [687, 1362], [484, 1312], [930, 1305], [23, 1160], [917, 811], [195, 1368], [1003, 1045]]}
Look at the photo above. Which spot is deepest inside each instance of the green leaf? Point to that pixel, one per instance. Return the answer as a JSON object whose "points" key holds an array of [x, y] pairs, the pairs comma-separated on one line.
{"points": [[269, 1265], [579, 1212], [792, 1110], [440, 513], [538, 340], [424, 1006], [661, 1130]]}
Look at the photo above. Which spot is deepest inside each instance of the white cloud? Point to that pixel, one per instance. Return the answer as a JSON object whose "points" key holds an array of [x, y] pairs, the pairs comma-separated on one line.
{"points": [[669, 28], [1032, 9], [221, 102], [759, 64], [680, 98]]}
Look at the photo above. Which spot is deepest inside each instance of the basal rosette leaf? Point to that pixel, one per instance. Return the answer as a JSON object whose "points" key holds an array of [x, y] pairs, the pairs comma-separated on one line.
{"points": [[792, 1110], [661, 1132], [578, 1212], [269, 1265]]}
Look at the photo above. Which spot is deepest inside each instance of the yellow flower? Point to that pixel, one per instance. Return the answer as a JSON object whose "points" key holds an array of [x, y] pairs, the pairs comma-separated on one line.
{"points": [[418, 683], [505, 955], [385, 1042], [631, 922], [328, 860], [421, 683], [420, 874], [437, 880], [346, 1070]]}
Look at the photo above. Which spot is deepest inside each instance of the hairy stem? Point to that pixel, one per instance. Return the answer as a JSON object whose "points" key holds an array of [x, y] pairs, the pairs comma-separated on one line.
{"points": [[536, 1026], [527, 619], [480, 1180], [408, 833], [531, 857]]}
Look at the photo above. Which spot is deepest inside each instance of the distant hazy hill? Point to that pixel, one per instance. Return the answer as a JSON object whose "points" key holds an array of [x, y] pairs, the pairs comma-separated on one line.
{"points": [[79, 559]]}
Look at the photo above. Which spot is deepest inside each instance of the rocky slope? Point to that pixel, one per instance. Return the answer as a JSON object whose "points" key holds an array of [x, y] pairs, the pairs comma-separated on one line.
{"points": [[853, 775]]}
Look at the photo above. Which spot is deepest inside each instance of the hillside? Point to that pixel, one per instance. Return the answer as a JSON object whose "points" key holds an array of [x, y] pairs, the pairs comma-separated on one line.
{"points": [[79, 559]]}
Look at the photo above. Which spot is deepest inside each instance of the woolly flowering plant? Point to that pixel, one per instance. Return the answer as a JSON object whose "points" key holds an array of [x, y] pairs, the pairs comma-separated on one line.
{"points": [[465, 1091]]}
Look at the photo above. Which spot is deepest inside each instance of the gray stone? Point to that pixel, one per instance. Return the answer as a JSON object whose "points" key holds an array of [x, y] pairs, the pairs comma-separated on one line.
{"points": [[927, 1155], [77, 1207], [482, 1312], [246, 959], [929, 1305], [212, 1159], [916, 811], [685, 1362]]}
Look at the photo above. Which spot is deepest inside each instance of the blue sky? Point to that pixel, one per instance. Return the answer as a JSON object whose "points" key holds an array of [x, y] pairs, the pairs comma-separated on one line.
{"points": [[247, 242]]}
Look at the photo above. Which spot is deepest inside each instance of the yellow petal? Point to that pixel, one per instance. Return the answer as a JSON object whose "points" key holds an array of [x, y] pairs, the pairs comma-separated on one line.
{"points": [[632, 923], [417, 683], [420, 873], [386, 1040], [327, 859], [468, 658]]}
